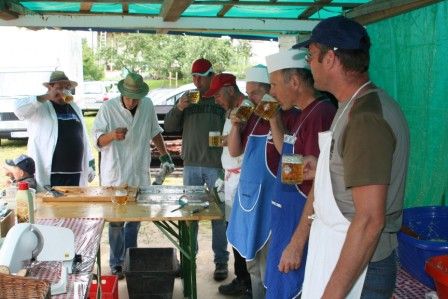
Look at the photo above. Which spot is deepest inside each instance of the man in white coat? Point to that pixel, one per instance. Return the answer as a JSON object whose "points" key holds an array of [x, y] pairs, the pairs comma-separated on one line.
{"points": [[58, 140], [123, 130]]}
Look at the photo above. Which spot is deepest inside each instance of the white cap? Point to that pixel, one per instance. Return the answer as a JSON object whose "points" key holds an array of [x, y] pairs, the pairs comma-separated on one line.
{"points": [[258, 73], [293, 58]]}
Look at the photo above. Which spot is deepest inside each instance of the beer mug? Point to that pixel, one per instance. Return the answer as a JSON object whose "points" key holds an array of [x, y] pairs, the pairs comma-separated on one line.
{"points": [[267, 107], [244, 111], [292, 169], [120, 197], [194, 96], [67, 96], [214, 139]]}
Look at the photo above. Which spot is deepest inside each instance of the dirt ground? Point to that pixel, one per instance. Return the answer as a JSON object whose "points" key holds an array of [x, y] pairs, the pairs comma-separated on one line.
{"points": [[150, 236]]}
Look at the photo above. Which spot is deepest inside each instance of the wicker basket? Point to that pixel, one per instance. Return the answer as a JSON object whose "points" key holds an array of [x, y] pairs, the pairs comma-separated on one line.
{"points": [[15, 287]]}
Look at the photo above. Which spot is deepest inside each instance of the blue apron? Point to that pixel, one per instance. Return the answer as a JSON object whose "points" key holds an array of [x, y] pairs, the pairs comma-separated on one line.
{"points": [[287, 206], [250, 221]]}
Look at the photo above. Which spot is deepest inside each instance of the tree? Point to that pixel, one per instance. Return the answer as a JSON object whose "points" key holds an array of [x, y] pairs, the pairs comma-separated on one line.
{"points": [[91, 69], [155, 55]]}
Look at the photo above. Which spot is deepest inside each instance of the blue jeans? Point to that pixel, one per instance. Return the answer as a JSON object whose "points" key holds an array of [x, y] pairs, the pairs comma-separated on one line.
{"points": [[380, 278], [198, 176], [122, 235]]}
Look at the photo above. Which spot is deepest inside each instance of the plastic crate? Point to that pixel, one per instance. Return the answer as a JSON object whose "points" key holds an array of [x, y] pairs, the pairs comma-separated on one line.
{"points": [[150, 272], [431, 226], [109, 287], [437, 268]]}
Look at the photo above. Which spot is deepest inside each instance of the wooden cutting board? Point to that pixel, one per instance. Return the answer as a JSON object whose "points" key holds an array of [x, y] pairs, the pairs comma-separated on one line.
{"points": [[73, 194]]}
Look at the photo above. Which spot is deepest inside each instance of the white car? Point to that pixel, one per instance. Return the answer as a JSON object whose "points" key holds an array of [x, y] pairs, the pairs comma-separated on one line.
{"points": [[95, 93], [10, 126]]}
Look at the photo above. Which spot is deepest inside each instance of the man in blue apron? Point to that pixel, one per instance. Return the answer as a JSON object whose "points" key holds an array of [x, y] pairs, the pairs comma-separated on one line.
{"points": [[249, 223], [360, 174], [292, 85]]}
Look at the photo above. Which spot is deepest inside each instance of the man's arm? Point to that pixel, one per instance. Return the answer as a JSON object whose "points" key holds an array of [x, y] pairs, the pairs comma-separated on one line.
{"points": [[159, 142], [173, 119], [292, 255], [277, 131], [234, 143], [361, 240], [117, 134]]}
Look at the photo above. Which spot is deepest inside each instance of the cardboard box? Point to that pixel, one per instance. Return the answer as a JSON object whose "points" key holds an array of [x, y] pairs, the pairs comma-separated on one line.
{"points": [[6, 223]]}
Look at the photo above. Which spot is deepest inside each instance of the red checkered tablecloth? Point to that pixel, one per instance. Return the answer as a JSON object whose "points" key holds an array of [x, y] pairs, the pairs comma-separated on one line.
{"points": [[87, 233], [408, 287]]}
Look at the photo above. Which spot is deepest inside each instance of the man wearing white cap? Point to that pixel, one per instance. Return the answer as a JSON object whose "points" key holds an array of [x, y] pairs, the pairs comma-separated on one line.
{"points": [[58, 140], [292, 84], [249, 224]]}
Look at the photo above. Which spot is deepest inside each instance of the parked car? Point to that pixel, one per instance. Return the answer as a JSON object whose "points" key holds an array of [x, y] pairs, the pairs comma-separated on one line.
{"points": [[10, 126], [95, 93], [164, 99]]}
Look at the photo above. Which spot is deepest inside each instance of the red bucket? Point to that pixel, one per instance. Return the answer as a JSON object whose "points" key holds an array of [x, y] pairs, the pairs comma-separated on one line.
{"points": [[109, 287], [437, 268]]}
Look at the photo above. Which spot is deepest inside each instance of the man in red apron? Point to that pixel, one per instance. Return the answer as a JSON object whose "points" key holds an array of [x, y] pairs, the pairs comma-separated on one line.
{"points": [[360, 174], [292, 85]]}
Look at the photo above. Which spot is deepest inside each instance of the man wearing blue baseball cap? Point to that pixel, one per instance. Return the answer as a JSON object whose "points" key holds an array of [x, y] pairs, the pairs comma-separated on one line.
{"points": [[360, 175], [21, 169]]}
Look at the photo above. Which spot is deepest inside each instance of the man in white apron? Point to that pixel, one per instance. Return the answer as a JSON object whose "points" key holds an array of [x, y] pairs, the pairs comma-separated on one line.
{"points": [[227, 95], [360, 174], [292, 85]]}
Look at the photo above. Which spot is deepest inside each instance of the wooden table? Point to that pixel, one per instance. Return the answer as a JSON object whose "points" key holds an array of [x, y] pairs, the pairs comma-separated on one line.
{"points": [[177, 225]]}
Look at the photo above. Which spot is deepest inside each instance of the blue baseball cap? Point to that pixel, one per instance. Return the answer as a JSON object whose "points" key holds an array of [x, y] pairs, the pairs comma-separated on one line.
{"points": [[23, 162], [339, 32]]}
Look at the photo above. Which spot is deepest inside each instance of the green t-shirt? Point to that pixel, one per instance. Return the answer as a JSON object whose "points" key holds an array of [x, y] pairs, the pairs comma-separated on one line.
{"points": [[371, 147]]}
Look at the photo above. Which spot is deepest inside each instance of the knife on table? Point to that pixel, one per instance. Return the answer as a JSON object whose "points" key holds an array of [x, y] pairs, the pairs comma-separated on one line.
{"points": [[53, 191]]}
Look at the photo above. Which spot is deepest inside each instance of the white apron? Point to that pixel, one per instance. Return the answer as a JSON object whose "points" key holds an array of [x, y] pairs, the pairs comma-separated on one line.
{"points": [[329, 227]]}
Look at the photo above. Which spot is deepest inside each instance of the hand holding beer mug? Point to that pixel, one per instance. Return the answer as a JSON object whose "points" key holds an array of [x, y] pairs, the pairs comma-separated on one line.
{"points": [[194, 96], [120, 133], [67, 96], [267, 107], [214, 139], [120, 197], [292, 169], [244, 111]]}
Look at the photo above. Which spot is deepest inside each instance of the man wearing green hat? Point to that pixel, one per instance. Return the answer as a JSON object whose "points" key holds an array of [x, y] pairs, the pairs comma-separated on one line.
{"points": [[123, 130], [58, 140]]}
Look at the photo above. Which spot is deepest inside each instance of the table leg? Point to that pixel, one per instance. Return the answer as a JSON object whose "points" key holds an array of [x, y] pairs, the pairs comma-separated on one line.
{"points": [[98, 273], [187, 241]]}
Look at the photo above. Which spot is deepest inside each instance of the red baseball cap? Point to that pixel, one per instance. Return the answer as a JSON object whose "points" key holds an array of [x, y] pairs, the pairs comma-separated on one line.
{"points": [[219, 81], [201, 67]]}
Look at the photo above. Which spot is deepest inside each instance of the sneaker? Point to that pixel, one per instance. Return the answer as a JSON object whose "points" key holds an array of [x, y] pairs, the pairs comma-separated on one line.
{"points": [[234, 288], [118, 271], [221, 272]]}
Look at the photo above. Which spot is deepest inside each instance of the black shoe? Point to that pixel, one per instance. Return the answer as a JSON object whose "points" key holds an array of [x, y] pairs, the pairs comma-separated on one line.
{"points": [[118, 271], [221, 272], [234, 288]]}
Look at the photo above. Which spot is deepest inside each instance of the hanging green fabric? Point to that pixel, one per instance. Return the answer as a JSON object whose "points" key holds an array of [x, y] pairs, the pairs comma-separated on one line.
{"points": [[409, 59]]}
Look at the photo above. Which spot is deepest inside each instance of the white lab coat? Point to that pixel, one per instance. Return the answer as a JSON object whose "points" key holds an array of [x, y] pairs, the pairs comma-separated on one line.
{"points": [[126, 161], [42, 125]]}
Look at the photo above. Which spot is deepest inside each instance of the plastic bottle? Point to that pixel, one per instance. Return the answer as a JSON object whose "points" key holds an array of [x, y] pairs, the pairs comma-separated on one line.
{"points": [[24, 204]]}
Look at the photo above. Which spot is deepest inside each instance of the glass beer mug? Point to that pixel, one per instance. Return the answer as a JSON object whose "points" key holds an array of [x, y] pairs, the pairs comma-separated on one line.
{"points": [[244, 111], [292, 169], [267, 107], [67, 96], [194, 96], [120, 197], [214, 139]]}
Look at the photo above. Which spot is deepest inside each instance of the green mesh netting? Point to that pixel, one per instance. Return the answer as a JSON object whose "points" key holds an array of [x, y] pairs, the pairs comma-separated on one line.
{"points": [[410, 60]]}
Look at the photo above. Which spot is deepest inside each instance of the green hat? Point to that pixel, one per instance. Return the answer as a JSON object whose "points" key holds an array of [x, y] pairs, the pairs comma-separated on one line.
{"points": [[133, 86], [59, 76]]}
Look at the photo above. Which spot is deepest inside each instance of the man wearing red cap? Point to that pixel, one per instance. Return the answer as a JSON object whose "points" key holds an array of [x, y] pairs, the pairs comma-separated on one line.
{"points": [[228, 96], [202, 164]]}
